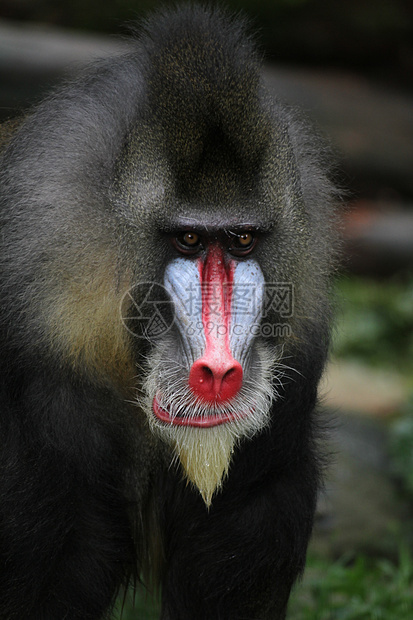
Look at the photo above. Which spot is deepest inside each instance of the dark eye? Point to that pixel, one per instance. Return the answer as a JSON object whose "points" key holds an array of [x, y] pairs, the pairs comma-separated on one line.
{"points": [[188, 242], [242, 243]]}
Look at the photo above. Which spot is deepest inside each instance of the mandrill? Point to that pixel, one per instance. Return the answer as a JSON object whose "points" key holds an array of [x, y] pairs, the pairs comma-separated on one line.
{"points": [[166, 235]]}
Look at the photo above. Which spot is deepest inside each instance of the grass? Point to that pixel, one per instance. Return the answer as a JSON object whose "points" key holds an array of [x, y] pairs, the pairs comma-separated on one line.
{"points": [[358, 589], [362, 589], [136, 606]]}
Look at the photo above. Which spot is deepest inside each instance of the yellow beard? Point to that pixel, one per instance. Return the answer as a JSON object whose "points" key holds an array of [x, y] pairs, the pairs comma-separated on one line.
{"points": [[205, 455]]}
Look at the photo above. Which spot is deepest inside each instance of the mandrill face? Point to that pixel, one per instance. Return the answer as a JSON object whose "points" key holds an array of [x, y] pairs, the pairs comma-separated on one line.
{"points": [[210, 380]]}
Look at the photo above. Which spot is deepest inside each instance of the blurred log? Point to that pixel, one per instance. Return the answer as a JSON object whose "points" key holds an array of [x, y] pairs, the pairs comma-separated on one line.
{"points": [[378, 242]]}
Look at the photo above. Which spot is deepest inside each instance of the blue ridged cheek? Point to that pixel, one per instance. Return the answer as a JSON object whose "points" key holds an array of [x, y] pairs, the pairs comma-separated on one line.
{"points": [[182, 281], [246, 308]]}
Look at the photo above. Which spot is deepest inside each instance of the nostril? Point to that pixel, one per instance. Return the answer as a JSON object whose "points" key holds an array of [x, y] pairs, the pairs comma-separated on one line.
{"points": [[231, 382], [215, 382], [205, 375], [201, 379]]}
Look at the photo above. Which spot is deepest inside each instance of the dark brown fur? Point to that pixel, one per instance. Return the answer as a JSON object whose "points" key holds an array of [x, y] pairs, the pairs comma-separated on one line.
{"points": [[92, 186]]}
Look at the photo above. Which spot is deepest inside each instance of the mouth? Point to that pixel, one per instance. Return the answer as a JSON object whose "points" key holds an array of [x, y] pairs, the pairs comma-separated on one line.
{"points": [[200, 421]]}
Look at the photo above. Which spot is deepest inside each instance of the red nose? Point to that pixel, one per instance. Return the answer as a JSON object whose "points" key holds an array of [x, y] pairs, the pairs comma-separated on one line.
{"points": [[216, 376], [215, 380]]}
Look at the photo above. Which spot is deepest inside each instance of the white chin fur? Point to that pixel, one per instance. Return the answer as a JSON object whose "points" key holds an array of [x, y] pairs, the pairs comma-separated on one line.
{"points": [[205, 453]]}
